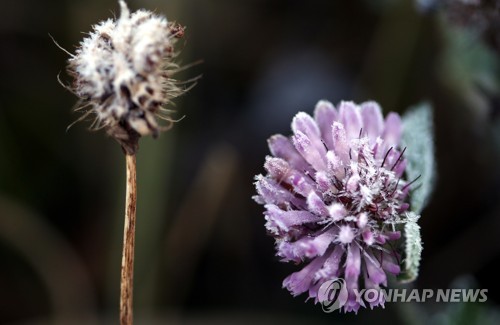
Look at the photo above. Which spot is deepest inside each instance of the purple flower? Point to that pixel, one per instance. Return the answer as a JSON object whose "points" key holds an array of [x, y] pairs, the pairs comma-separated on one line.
{"points": [[334, 194]]}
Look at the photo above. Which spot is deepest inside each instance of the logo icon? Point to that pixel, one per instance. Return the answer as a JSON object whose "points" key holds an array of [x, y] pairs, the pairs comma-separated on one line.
{"points": [[332, 295]]}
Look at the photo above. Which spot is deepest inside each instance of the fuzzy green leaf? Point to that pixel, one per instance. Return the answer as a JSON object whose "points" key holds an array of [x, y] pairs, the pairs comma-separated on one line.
{"points": [[418, 138]]}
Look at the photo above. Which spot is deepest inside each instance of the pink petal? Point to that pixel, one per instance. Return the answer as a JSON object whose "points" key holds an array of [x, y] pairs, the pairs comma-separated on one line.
{"points": [[373, 121], [273, 193], [375, 271], [277, 168], [353, 264], [301, 281], [316, 205], [278, 219], [306, 247], [392, 130], [350, 117], [340, 144], [281, 147], [303, 144], [325, 114]]}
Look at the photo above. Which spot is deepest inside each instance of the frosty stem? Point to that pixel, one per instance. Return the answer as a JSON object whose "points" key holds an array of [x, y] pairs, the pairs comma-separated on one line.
{"points": [[127, 273]]}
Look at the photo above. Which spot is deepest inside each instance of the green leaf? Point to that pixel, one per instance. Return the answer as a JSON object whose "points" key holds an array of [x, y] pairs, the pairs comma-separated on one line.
{"points": [[418, 138]]}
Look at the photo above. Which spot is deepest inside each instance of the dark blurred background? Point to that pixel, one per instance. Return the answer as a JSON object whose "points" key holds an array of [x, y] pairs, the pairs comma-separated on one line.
{"points": [[202, 252]]}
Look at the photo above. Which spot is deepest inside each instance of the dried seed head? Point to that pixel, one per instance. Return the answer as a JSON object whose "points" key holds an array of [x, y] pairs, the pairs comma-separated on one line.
{"points": [[122, 74]]}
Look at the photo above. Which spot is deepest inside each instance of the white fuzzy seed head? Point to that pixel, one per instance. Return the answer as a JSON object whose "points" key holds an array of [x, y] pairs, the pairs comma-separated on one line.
{"points": [[122, 74]]}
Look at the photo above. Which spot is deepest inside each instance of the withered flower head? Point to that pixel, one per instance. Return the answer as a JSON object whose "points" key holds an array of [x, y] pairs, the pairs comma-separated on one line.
{"points": [[122, 74]]}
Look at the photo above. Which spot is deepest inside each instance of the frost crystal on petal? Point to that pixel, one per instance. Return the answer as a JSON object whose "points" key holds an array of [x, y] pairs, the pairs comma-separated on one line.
{"points": [[336, 196], [123, 75]]}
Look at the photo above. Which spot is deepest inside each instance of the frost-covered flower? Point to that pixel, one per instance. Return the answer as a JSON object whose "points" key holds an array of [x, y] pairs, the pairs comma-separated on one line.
{"points": [[122, 73], [334, 194]]}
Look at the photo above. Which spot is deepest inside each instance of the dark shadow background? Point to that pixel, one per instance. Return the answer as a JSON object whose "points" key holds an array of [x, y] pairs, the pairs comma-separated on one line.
{"points": [[202, 253]]}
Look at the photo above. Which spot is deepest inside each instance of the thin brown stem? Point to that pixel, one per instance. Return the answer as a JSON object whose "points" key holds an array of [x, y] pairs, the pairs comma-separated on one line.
{"points": [[127, 274]]}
